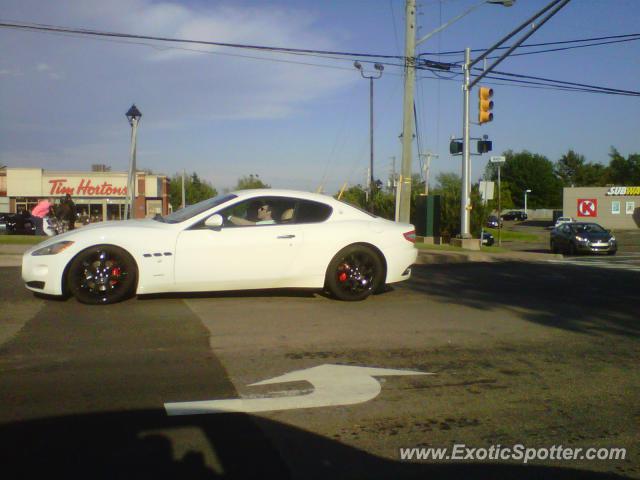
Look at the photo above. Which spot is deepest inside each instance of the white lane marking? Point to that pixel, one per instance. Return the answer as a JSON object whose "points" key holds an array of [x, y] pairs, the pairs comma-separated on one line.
{"points": [[333, 385], [599, 264]]}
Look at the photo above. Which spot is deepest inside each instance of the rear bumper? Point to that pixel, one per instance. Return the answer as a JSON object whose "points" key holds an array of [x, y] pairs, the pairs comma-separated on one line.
{"points": [[399, 262]]}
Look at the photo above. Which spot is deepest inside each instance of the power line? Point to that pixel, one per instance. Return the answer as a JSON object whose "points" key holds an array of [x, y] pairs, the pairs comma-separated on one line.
{"points": [[326, 54], [98, 33], [615, 39]]}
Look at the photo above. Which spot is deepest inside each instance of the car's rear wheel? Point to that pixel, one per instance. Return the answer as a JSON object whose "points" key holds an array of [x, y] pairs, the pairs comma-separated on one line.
{"points": [[554, 247], [572, 249], [102, 274], [355, 273]]}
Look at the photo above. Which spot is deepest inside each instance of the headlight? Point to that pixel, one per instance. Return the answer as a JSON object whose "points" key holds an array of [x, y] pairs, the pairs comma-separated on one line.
{"points": [[612, 239], [580, 239], [52, 249]]}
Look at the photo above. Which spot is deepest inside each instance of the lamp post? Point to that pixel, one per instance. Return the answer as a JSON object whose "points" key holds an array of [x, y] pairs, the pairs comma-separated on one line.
{"points": [[133, 115], [525, 201], [379, 68]]}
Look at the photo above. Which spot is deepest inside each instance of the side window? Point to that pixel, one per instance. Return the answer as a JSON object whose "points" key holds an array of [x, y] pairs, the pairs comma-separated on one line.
{"points": [[259, 211], [312, 212]]}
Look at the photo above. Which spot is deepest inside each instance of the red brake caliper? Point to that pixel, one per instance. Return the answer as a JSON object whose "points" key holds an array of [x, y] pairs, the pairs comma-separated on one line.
{"points": [[342, 276], [115, 272]]}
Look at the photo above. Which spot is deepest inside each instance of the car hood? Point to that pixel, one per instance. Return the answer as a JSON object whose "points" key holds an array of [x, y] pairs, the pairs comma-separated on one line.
{"points": [[81, 232]]}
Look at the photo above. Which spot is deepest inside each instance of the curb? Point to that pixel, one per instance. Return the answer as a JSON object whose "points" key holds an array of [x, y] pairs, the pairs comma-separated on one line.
{"points": [[445, 257]]}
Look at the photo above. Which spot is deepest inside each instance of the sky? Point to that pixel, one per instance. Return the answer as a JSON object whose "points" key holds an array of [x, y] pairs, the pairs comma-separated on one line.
{"points": [[298, 121]]}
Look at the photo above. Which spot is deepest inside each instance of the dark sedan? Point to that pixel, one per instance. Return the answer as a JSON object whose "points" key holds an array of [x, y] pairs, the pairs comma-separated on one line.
{"points": [[514, 215], [582, 237], [493, 222]]}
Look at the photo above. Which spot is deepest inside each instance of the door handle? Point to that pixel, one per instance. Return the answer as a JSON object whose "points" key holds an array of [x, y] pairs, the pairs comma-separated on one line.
{"points": [[286, 236]]}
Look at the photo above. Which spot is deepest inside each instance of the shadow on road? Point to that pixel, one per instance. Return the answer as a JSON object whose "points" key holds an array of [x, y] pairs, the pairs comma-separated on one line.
{"points": [[579, 299], [148, 444]]}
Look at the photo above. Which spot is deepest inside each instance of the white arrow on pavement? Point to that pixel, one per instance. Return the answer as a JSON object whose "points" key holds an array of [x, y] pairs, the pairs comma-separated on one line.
{"points": [[332, 385]]}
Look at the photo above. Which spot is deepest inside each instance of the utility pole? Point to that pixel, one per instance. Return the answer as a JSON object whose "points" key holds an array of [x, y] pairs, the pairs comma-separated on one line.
{"points": [[407, 120]]}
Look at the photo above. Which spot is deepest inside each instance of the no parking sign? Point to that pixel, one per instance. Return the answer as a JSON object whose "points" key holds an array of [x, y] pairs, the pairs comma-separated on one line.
{"points": [[587, 207]]}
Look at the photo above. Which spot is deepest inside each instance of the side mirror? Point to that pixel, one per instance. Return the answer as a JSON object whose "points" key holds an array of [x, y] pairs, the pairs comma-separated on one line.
{"points": [[214, 221]]}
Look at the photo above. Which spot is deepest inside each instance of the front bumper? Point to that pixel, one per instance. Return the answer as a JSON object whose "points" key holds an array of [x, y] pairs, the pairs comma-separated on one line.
{"points": [[597, 247], [43, 274]]}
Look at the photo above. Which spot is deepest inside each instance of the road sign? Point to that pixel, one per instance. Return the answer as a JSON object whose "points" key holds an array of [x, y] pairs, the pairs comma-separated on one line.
{"points": [[332, 385], [587, 207], [498, 159]]}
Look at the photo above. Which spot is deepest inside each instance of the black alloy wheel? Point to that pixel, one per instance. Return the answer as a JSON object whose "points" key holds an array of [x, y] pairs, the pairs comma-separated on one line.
{"points": [[355, 273], [101, 275]]}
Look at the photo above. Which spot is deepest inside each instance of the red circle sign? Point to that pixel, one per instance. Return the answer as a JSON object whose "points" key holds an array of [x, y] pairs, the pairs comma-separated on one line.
{"points": [[587, 207]]}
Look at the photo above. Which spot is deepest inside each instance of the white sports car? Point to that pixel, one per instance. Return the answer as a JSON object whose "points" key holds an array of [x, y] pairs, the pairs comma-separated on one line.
{"points": [[251, 239]]}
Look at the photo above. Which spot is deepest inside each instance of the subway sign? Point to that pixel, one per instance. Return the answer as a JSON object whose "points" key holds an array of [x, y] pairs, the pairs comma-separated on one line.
{"points": [[623, 191]]}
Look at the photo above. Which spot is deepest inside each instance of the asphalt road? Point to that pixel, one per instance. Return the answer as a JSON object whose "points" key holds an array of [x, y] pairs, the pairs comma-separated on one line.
{"points": [[531, 354]]}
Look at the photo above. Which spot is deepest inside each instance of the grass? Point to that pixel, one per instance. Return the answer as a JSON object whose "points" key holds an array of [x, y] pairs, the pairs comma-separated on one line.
{"points": [[20, 239]]}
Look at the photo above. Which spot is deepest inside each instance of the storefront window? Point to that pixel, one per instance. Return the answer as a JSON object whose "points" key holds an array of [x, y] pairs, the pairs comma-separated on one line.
{"points": [[115, 212], [25, 204]]}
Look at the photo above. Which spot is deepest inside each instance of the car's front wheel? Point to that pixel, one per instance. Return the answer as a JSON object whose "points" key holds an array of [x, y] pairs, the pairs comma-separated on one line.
{"points": [[355, 273], [102, 274]]}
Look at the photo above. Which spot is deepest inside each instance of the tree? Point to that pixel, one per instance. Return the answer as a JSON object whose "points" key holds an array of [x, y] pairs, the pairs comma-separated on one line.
{"points": [[624, 171], [196, 190], [449, 187], [574, 171], [526, 170], [569, 168], [249, 182], [355, 195]]}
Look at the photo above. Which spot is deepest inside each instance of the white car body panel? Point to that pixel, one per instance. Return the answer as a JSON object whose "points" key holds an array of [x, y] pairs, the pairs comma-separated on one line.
{"points": [[176, 258]]}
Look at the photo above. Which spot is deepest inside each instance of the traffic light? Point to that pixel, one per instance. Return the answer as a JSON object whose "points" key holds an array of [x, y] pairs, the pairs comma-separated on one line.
{"points": [[455, 147], [485, 105], [485, 146]]}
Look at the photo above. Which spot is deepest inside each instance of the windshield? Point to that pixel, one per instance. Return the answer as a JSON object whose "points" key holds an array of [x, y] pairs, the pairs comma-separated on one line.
{"points": [[589, 228], [195, 209]]}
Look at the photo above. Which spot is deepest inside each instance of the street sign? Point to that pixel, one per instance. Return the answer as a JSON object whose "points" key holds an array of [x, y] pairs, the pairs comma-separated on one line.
{"points": [[486, 190], [498, 159], [333, 385]]}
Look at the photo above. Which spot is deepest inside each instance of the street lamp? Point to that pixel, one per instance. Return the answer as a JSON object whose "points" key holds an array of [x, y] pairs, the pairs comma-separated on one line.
{"points": [[525, 201], [133, 115], [379, 67]]}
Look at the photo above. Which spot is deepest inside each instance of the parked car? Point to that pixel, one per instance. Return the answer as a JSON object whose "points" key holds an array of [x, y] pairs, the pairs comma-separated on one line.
{"points": [[514, 215], [228, 243], [487, 239], [3, 220], [582, 237], [493, 222], [562, 220], [20, 223]]}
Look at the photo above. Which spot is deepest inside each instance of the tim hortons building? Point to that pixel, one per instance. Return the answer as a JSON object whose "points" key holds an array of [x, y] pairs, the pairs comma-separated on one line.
{"points": [[99, 196]]}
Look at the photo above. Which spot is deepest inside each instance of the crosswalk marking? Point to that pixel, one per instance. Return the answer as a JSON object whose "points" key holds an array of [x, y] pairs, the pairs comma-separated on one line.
{"points": [[629, 262]]}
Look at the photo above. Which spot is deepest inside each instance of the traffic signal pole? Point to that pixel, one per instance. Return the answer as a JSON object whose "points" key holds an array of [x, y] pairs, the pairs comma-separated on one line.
{"points": [[465, 205]]}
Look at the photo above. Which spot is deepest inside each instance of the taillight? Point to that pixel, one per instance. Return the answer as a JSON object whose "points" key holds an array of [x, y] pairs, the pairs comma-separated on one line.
{"points": [[410, 236]]}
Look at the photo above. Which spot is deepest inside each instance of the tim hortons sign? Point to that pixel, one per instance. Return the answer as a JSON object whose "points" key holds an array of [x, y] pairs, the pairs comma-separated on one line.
{"points": [[85, 187]]}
